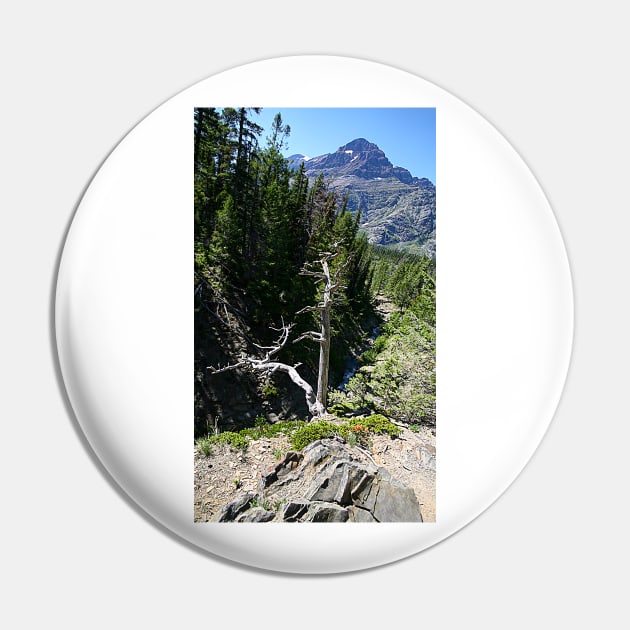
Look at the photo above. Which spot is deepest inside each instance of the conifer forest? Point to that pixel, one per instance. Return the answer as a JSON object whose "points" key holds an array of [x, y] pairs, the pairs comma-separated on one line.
{"points": [[297, 316]]}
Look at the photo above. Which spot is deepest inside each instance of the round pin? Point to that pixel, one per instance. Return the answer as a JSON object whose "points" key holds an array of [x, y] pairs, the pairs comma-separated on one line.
{"points": [[387, 468]]}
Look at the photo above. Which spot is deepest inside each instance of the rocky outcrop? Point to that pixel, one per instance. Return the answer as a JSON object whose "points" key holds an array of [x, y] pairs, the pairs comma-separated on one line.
{"points": [[328, 481]]}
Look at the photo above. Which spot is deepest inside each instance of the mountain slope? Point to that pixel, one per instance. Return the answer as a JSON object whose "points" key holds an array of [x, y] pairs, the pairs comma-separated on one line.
{"points": [[397, 208]]}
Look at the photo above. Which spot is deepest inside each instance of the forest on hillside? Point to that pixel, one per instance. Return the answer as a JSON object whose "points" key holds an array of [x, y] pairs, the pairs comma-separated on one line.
{"points": [[262, 232]]}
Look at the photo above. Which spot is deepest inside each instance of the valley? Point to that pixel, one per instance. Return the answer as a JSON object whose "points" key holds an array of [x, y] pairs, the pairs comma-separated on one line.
{"points": [[314, 368]]}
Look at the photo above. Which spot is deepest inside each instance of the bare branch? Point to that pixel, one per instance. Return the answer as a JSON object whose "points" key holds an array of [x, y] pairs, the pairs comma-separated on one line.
{"points": [[315, 274], [268, 366], [315, 336], [310, 309], [227, 368]]}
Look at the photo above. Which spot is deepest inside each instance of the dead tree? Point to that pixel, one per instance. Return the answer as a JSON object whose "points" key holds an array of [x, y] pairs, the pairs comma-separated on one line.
{"points": [[324, 335], [268, 365], [316, 402]]}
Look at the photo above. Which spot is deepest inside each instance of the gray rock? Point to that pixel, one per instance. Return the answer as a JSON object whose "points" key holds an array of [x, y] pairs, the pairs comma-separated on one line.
{"points": [[326, 513], [256, 515], [232, 510], [328, 482], [396, 503], [357, 515], [295, 510]]}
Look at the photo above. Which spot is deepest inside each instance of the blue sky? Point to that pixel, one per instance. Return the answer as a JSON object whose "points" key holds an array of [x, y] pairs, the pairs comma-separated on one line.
{"points": [[406, 135]]}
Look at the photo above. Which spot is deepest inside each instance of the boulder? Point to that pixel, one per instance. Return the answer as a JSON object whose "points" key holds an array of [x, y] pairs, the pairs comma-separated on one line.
{"points": [[256, 515]]}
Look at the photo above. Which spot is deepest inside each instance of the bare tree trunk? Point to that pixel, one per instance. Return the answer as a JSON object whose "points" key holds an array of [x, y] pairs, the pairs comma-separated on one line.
{"points": [[324, 346], [324, 336]]}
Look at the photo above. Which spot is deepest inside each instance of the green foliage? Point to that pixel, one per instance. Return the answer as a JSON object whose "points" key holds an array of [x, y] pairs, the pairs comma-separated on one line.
{"points": [[359, 388], [260, 422], [229, 438], [312, 432], [353, 431], [206, 444], [302, 433], [269, 390], [377, 423], [342, 405], [272, 430], [398, 373], [402, 276], [259, 502]]}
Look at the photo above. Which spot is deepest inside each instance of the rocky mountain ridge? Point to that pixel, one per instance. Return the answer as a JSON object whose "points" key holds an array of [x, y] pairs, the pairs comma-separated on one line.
{"points": [[397, 209]]}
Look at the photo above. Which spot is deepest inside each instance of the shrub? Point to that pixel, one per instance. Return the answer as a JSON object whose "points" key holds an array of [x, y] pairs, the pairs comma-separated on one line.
{"points": [[379, 343], [262, 428], [312, 432], [376, 423], [229, 438], [283, 428]]}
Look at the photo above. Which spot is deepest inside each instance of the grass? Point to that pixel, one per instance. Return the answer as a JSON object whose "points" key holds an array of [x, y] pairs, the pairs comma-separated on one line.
{"points": [[204, 446], [228, 438]]}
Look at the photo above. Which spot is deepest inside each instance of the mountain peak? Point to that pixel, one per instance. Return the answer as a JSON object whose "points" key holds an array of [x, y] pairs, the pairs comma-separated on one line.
{"points": [[359, 144], [396, 207]]}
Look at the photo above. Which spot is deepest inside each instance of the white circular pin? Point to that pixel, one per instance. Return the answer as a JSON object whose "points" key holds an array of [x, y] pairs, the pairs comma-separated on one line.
{"points": [[124, 314]]}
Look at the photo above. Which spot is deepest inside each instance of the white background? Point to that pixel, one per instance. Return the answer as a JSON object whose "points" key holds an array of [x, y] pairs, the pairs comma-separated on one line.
{"points": [[552, 552]]}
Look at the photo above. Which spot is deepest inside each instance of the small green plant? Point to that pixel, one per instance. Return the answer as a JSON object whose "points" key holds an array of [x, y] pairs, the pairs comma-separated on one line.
{"points": [[262, 503], [278, 504], [278, 453], [369, 356], [356, 433], [231, 439], [237, 483], [260, 422], [204, 446], [415, 427], [342, 405], [269, 390]]}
